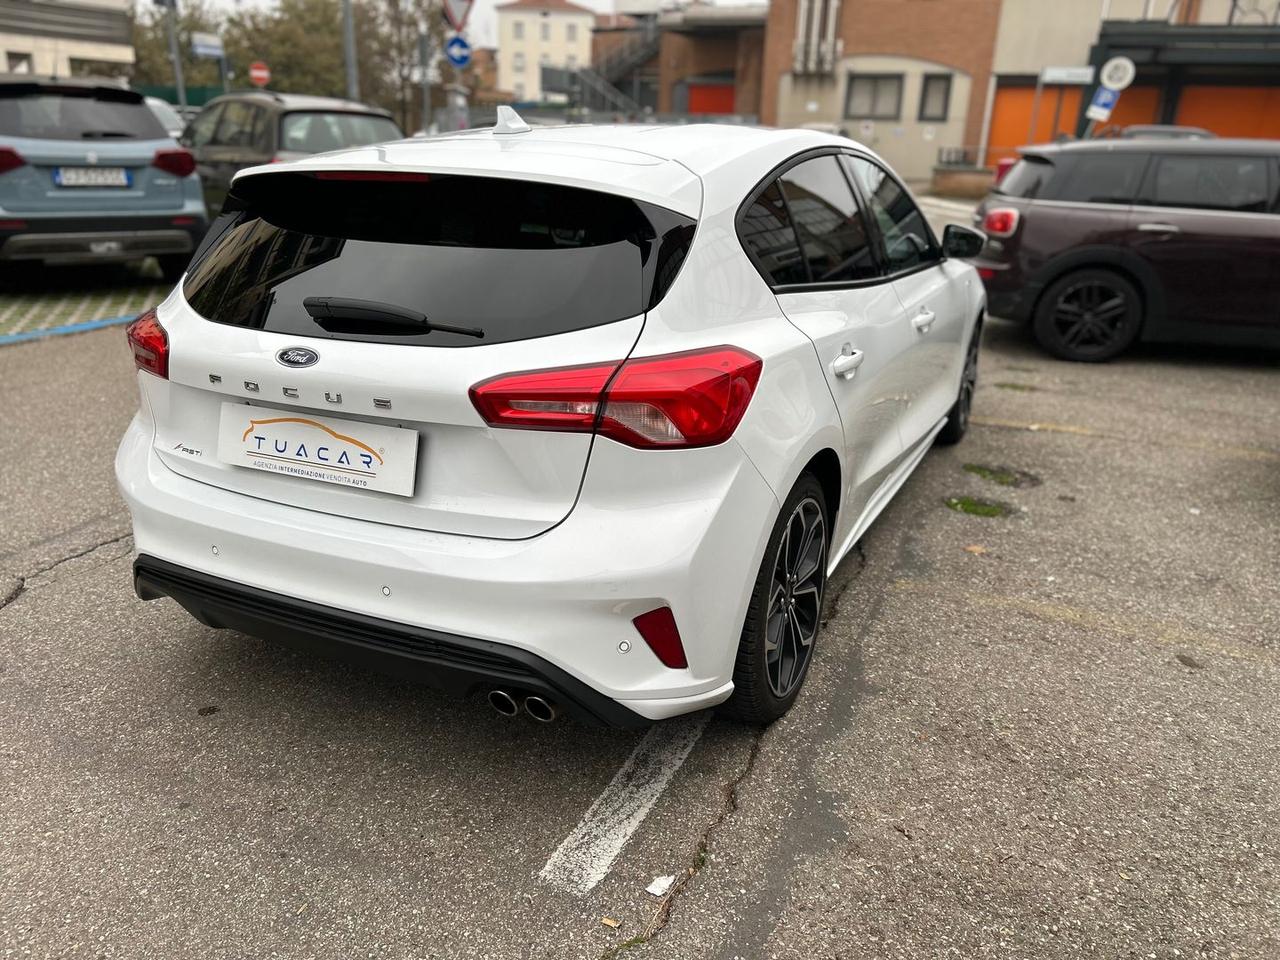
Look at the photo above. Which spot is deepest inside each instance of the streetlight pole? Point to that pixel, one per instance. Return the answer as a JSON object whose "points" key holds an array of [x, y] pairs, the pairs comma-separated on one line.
{"points": [[349, 50], [424, 64]]}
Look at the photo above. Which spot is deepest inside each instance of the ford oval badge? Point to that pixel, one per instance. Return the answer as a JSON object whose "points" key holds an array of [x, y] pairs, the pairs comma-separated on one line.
{"points": [[297, 357]]}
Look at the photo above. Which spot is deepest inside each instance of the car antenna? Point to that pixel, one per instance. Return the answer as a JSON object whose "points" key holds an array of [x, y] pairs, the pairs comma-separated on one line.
{"points": [[510, 122]]}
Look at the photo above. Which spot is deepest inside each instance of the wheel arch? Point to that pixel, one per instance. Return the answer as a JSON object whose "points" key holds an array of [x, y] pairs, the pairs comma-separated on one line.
{"points": [[825, 466], [1128, 265]]}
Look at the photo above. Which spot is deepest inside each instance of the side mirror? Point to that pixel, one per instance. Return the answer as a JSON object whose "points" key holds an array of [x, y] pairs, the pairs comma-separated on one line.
{"points": [[962, 242]]}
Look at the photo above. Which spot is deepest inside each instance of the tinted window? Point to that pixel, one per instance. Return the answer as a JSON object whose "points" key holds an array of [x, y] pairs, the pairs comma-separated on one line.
{"points": [[1027, 178], [316, 132], [517, 259], [832, 236], [1217, 183], [908, 241], [202, 127], [241, 126], [767, 234], [92, 114], [1103, 178]]}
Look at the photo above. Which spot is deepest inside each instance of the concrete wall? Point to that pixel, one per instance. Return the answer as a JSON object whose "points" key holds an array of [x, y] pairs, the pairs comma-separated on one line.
{"points": [[909, 144]]}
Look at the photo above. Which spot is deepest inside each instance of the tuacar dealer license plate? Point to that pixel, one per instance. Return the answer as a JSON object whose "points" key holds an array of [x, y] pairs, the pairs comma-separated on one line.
{"points": [[347, 452]]}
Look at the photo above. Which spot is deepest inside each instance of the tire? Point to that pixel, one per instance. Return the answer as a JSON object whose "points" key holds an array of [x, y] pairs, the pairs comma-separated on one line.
{"points": [[957, 424], [173, 266], [1088, 316], [768, 674]]}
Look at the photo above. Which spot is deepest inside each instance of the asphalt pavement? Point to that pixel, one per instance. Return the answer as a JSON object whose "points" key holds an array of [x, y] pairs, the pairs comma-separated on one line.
{"points": [[1049, 732]]}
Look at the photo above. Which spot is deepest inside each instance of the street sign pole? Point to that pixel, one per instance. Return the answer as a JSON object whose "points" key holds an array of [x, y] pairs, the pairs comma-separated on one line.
{"points": [[424, 64], [349, 50], [175, 54]]}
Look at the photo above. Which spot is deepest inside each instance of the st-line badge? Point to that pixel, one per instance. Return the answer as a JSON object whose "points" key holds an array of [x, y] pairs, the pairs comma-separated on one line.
{"points": [[371, 456], [297, 356]]}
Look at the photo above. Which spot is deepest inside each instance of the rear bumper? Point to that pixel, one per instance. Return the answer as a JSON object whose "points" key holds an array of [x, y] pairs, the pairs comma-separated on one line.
{"points": [[1009, 294], [455, 664], [100, 239], [567, 597]]}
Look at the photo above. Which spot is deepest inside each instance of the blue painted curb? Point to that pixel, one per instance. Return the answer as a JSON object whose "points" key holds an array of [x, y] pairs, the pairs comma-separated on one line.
{"points": [[69, 328]]}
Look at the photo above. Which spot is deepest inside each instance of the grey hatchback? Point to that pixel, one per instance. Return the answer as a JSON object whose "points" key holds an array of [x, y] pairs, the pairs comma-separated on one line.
{"points": [[246, 129], [88, 175]]}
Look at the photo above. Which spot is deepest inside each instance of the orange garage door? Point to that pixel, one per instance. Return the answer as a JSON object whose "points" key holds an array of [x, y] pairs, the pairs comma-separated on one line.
{"points": [[1059, 110], [1232, 111], [711, 98]]}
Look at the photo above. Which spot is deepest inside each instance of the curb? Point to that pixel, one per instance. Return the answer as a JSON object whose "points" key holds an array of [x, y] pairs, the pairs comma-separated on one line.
{"points": [[87, 325]]}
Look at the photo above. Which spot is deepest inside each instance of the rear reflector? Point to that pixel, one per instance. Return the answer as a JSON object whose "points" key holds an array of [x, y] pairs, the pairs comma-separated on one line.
{"points": [[1000, 222], [678, 400], [183, 221], [150, 345], [180, 163], [384, 176], [10, 159], [13, 224], [658, 627]]}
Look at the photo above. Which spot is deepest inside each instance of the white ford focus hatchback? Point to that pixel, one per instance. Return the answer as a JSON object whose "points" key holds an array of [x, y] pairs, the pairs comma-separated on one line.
{"points": [[578, 417]]}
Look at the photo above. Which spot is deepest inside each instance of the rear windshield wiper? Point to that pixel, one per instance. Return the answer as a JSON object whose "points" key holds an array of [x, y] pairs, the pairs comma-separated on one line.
{"points": [[348, 308]]}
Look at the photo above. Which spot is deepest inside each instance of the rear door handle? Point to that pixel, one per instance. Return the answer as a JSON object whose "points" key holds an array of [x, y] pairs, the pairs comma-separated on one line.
{"points": [[1159, 228], [923, 320], [847, 364]]}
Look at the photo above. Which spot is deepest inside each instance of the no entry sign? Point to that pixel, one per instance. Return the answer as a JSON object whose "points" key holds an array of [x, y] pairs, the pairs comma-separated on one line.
{"points": [[259, 73]]}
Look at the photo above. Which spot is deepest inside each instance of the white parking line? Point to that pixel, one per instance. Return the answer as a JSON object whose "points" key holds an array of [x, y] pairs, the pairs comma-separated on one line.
{"points": [[586, 854]]}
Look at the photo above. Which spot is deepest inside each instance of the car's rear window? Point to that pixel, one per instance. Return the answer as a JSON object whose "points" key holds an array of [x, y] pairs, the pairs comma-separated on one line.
{"points": [[76, 114], [1026, 178], [514, 258], [316, 131]]}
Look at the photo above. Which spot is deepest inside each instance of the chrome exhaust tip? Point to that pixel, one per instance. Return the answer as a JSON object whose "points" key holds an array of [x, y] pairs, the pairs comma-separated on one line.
{"points": [[504, 703], [544, 711]]}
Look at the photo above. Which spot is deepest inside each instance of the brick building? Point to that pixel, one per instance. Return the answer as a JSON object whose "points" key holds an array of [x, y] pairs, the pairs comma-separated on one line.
{"points": [[964, 81]]}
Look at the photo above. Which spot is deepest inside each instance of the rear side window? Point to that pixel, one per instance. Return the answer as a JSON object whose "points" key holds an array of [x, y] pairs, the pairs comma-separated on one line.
{"points": [[768, 236], [317, 131], [516, 259], [1103, 178], [1213, 183], [908, 241], [89, 114], [1027, 178], [833, 237]]}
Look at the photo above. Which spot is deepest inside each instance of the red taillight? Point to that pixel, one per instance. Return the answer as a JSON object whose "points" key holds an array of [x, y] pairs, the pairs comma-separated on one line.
{"points": [[181, 163], [13, 224], [985, 273], [383, 176], [1000, 222], [658, 627], [10, 159], [692, 399], [183, 221], [150, 345]]}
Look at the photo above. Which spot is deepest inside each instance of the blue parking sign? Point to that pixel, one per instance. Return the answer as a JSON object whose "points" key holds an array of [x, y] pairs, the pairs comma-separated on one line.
{"points": [[1103, 102], [458, 51]]}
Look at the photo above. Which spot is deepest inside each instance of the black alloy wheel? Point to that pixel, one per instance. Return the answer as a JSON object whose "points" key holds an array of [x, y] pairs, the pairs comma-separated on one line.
{"points": [[1090, 315], [785, 611], [957, 424]]}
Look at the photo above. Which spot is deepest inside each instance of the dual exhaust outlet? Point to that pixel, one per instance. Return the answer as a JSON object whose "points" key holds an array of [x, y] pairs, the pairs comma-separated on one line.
{"points": [[507, 704]]}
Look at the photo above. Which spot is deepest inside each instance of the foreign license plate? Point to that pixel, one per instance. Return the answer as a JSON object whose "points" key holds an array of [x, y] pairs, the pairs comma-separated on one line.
{"points": [[346, 452], [91, 177]]}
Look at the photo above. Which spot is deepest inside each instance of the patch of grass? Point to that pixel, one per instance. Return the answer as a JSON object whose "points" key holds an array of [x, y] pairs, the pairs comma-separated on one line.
{"points": [[623, 947], [1020, 387], [1005, 476], [977, 508]]}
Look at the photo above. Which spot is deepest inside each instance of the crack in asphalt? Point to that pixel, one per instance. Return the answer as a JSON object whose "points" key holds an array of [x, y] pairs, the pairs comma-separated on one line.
{"points": [[850, 568], [20, 586]]}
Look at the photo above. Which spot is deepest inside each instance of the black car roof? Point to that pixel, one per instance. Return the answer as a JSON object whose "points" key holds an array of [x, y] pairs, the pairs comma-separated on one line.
{"points": [[1151, 144], [285, 102]]}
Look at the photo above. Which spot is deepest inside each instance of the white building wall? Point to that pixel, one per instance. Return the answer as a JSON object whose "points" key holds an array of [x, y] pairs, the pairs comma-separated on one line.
{"points": [[529, 38]]}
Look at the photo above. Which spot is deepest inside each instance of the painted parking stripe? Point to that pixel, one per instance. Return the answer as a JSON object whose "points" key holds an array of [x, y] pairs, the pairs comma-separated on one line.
{"points": [[587, 853], [69, 328]]}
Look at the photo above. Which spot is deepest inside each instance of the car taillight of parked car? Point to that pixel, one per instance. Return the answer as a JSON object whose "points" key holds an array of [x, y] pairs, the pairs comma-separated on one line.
{"points": [[10, 159], [679, 400], [180, 163], [1000, 222], [150, 345]]}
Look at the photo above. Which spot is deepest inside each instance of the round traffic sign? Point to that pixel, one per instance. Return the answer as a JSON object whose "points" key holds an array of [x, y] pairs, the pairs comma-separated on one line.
{"points": [[1117, 73], [259, 73], [458, 51]]}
